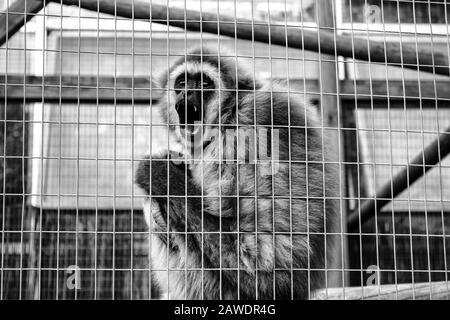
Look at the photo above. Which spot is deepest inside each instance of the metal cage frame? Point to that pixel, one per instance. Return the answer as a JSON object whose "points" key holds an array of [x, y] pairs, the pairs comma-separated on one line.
{"points": [[324, 40]]}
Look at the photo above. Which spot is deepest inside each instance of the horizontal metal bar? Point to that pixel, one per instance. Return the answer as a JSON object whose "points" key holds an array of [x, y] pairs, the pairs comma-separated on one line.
{"points": [[419, 165], [90, 89], [325, 41]]}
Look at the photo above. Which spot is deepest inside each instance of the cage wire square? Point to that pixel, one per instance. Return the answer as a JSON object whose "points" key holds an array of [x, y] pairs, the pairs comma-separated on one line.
{"points": [[83, 109]]}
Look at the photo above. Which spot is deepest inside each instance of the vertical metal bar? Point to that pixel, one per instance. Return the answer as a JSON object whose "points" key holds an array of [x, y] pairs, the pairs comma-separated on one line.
{"points": [[150, 129], [439, 164], [272, 152], [43, 136], [4, 156], [24, 190], [423, 143], [291, 221], [377, 233], [59, 153], [77, 184], [334, 119], [220, 162], [186, 167], [203, 162], [132, 154], [329, 116], [373, 151], [202, 182], [97, 155], [444, 245], [305, 114], [113, 293], [168, 148], [330, 108], [391, 157], [407, 151], [255, 128], [352, 64]]}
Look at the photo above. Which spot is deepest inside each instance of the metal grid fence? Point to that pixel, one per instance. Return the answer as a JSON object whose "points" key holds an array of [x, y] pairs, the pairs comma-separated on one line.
{"points": [[78, 96]]}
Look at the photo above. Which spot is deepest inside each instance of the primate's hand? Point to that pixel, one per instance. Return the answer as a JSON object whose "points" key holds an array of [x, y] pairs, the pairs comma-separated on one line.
{"points": [[168, 175]]}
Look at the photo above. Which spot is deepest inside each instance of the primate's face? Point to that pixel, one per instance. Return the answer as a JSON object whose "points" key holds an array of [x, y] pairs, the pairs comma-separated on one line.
{"points": [[194, 91]]}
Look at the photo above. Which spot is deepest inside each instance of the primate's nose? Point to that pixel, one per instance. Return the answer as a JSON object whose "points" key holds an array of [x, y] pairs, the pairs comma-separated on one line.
{"points": [[191, 94]]}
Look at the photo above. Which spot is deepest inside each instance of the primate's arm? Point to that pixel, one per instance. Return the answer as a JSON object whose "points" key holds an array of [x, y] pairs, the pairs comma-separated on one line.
{"points": [[172, 185]]}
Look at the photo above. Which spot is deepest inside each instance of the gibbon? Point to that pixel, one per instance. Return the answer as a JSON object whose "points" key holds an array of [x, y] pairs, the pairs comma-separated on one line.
{"points": [[241, 201]]}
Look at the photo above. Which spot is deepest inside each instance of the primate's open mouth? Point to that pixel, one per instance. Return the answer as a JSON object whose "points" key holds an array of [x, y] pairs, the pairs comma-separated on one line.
{"points": [[190, 115]]}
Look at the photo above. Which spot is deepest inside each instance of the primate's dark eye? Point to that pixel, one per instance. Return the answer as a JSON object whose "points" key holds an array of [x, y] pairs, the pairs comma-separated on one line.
{"points": [[180, 82], [206, 84]]}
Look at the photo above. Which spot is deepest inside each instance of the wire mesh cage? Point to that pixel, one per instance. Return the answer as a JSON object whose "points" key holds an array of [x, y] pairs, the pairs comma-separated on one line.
{"points": [[349, 198]]}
